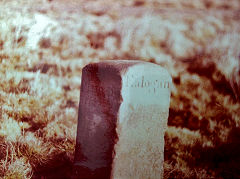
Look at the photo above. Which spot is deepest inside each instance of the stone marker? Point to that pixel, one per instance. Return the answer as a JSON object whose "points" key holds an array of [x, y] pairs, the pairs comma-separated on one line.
{"points": [[123, 114]]}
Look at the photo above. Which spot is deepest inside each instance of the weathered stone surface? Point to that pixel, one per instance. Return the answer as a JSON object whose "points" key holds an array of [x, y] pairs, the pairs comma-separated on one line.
{"points": [[123, 115]]}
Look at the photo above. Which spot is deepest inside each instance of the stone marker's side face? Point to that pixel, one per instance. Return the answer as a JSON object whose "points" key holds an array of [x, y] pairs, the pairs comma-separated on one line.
{"points": [[123, 115]]}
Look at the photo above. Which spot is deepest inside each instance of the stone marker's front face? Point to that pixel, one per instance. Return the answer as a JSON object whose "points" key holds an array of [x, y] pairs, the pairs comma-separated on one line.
{"points": [[123, 115]]}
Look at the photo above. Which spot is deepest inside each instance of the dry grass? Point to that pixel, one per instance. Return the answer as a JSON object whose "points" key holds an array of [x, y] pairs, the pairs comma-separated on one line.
{"points": [[45, 44]]}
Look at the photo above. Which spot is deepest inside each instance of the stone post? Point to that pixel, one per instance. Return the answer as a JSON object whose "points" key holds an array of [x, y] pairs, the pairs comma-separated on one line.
{"points": [[123, 114]]}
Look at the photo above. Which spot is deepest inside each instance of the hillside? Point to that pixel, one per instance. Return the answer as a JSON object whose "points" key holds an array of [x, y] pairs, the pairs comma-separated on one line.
{"points": [[44, 44]]}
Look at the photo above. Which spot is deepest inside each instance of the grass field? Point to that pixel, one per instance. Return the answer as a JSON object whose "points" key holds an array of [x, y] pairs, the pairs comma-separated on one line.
{"points": [[45, 44]]}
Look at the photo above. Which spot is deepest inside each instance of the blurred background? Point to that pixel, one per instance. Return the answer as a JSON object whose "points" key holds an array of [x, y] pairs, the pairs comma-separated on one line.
{"points": [[44, 44]]}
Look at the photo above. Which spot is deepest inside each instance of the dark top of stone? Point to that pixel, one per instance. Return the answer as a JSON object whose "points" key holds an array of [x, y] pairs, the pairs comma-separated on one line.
{"points": [[116, 65]]}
